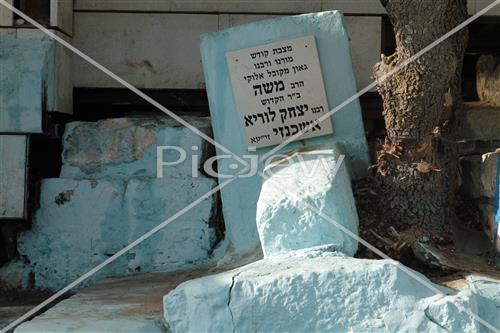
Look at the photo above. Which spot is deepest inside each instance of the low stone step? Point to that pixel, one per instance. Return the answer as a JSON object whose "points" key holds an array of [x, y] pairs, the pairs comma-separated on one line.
{"points": [[128, 147], [130, 304], [81, 223]]}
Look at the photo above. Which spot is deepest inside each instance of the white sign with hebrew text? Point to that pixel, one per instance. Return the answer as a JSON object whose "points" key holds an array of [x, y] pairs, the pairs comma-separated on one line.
{"points": [[279, 91]]}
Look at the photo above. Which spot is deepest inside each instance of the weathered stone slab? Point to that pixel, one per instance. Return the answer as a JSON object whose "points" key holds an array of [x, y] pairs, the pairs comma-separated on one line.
{"points": [[124, 147], [240, 197], [285, 221], [128, 304], [81, 223], [488, 79], [315, 291]]}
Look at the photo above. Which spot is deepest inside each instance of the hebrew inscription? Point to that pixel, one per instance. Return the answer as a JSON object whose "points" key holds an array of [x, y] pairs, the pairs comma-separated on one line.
{"points": [[279, 91]]}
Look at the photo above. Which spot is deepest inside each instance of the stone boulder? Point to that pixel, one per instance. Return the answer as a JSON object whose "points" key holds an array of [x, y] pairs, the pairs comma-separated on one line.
{"points": [[320, 291], [299, 187]]}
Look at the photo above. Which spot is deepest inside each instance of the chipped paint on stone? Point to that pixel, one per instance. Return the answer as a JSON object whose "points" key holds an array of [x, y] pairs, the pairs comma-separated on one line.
{"points": [[125, 147], [100, 217]]}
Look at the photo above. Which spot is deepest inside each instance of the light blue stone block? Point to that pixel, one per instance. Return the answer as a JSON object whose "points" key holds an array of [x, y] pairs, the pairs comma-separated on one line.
{"points": [[317, 291], [81, 223], [309, 291], [240, 197], [297, 192], [77, 226], [27, 81], [125, 147], [186, 241]]}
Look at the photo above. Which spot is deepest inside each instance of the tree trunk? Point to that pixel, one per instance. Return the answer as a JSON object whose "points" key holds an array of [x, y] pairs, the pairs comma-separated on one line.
{"points": [[417, 166]]}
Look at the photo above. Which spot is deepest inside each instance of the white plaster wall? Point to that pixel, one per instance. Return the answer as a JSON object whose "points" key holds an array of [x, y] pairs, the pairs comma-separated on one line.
{"points": [[157, 50], [147, 50], [61, 15], [255, 6], [6, 17], [158, 46]]}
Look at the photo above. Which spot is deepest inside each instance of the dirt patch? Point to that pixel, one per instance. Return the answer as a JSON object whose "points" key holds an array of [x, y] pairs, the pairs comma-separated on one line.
{"points": [[390, 240], [64, 197]]}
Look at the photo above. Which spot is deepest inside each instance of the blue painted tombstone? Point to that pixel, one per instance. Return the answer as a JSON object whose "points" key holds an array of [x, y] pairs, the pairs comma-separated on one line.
{"points": [[240, 197]]}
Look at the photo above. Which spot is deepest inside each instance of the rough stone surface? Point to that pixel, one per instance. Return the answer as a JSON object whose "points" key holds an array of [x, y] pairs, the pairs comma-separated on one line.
{"points": [[81, 223], [488, 78], [481, 181], [125, 147], [316, 291], [317, 178], [481, 122], [240, 197]]}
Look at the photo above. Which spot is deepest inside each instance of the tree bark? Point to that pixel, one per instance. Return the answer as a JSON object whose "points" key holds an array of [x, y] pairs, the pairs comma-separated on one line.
{"points": [[417, 164]]}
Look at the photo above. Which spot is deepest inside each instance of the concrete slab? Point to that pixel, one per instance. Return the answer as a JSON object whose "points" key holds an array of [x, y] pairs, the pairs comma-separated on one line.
{"points": [[127, 304], [132, 304], [157, 51]]}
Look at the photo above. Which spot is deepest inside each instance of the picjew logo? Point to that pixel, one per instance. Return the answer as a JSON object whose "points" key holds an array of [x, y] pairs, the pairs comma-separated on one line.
{"points": [[310, 163]]}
